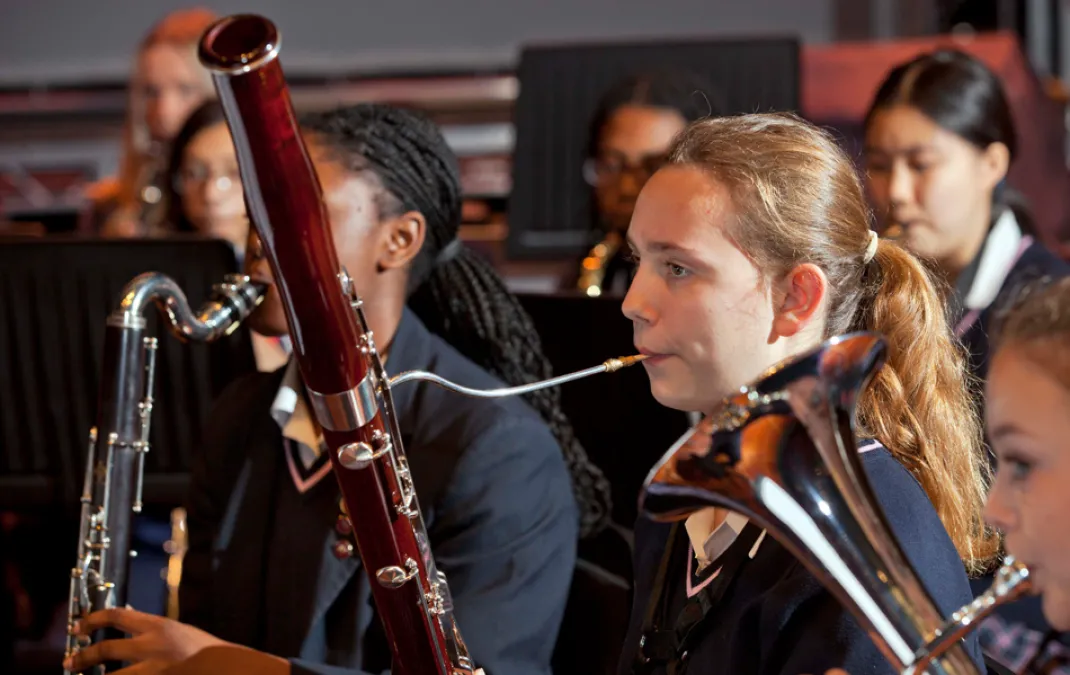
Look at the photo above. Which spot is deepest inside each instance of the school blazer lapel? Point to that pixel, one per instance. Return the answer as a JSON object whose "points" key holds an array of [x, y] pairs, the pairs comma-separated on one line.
{"points": [[318, 575], [242, 540]]}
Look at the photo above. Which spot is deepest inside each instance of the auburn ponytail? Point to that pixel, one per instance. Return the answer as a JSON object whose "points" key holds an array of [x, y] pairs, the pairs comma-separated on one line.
{"points": [[921, 403]]}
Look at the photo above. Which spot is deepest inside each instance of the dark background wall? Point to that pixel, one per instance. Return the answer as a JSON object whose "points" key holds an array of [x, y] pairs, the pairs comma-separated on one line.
{"points": [[64, 41]]}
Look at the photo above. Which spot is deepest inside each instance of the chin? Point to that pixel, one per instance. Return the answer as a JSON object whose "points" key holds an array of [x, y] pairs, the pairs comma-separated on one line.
{"points": [[269, 319], [1056, 606], [670, 397]]}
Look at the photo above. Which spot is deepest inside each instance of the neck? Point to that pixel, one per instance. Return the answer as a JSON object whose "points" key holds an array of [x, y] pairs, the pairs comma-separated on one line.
{"points": [[953, 264], [383, 310]]}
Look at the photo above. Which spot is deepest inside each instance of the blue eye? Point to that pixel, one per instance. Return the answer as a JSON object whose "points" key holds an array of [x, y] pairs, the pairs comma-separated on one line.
{"points": [[676, 271], [1019, 470]]}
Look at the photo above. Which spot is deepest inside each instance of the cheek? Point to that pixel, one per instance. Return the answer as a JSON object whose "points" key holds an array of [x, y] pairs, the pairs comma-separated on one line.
{"points": [[236, 203], [877, 187], [1037, 504], [194, 207], [947, 195], [608, 195], [721, 333]]}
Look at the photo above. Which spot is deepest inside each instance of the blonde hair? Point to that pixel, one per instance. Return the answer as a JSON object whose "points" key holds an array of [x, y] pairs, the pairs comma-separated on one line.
{"points": [[798, 199], [182, 29], [1038, 323]]}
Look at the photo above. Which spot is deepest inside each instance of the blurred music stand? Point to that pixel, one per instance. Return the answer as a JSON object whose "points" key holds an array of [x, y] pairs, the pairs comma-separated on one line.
{"points": [[560, 86], [624, 430], [55, 295]]}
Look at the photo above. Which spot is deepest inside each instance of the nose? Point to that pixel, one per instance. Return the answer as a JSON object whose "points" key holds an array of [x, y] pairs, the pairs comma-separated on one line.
{"points": [[901, 185], [999, 511], [637, 305], [217, 188], [173, 109], [630, 184]]}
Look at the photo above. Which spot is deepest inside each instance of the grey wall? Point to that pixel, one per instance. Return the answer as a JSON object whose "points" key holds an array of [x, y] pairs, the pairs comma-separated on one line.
{"points": [[66, 41]]}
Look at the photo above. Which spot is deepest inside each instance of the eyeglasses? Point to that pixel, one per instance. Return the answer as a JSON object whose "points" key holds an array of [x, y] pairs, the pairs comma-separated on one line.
{"points": [[603, 170], [199, 176]]}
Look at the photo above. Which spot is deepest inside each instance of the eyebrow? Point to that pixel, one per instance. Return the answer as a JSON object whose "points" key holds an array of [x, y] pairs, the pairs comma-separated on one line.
{"points": [[663, 247], [914, 149], [1005, 429]]}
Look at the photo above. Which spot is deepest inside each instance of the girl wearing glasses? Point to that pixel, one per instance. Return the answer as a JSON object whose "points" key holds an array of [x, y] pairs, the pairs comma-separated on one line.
{"points": [[632, 128]]}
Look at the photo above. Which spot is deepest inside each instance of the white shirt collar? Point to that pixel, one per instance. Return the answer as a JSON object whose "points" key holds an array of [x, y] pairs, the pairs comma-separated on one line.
{"points": [[709, 546], [997, 259], [708, 542], [294, 418]]}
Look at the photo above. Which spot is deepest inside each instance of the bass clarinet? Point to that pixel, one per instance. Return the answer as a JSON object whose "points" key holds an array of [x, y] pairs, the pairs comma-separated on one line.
{"points": [[348, 388], [114, 468]]}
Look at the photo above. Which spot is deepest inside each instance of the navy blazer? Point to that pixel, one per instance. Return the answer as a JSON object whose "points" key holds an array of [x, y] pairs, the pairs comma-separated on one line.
{"points": [[1036, 262], [496, 496], [776, 618]]}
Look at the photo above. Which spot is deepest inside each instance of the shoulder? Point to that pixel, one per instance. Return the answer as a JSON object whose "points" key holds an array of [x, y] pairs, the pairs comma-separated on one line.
{"points": [[248, 392], [1035, 263], [471, 419], [923, 540], [916, 525], [906, 505], [1039, 258], [465, 447]]}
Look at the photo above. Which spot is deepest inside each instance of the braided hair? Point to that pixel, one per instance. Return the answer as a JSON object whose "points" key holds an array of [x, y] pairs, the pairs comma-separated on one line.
{"points": [[455, 291]]}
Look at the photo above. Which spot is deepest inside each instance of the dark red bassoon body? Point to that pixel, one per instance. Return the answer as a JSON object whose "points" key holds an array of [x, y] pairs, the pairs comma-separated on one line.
{"points": [[333, 347]]}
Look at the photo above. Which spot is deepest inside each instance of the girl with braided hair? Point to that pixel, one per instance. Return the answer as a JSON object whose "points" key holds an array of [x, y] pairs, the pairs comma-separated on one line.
{"points": [[271, 571], [455, 291]]}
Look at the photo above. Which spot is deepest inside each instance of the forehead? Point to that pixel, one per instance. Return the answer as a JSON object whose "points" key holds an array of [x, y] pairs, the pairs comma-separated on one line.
{"points": [[168, 61], [342, 189], [683, 206], [635, 128], [903, 128], [211, 143], [1019, 388]]}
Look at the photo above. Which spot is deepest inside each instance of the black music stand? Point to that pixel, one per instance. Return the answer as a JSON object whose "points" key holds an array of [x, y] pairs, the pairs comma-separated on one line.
{"points": [[624, 430], [560, 87], [55, 294]]}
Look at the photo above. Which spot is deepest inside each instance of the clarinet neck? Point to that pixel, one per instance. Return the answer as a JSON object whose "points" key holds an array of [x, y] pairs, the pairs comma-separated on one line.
{"points": [[232, 301]]}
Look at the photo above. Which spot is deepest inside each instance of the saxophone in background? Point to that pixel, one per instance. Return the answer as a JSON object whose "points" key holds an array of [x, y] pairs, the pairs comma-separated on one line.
{"points": [[593, 267], [176, 550]]}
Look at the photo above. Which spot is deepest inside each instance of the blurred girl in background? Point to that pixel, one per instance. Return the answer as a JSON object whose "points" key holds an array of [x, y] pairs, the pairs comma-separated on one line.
{"points": [[168, 83], [631, 130]]}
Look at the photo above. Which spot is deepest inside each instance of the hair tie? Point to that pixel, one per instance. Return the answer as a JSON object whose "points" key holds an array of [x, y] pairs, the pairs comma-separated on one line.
{"points": [[871, 248], [449, 251]]}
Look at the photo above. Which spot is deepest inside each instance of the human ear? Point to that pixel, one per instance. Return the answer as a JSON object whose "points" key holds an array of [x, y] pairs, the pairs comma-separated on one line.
{"points": [[402, 238], [996, 161], [799, 295]]}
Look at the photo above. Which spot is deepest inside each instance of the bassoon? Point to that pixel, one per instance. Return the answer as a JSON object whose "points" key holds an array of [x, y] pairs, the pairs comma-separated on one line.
{"points": [[343, 375]]}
